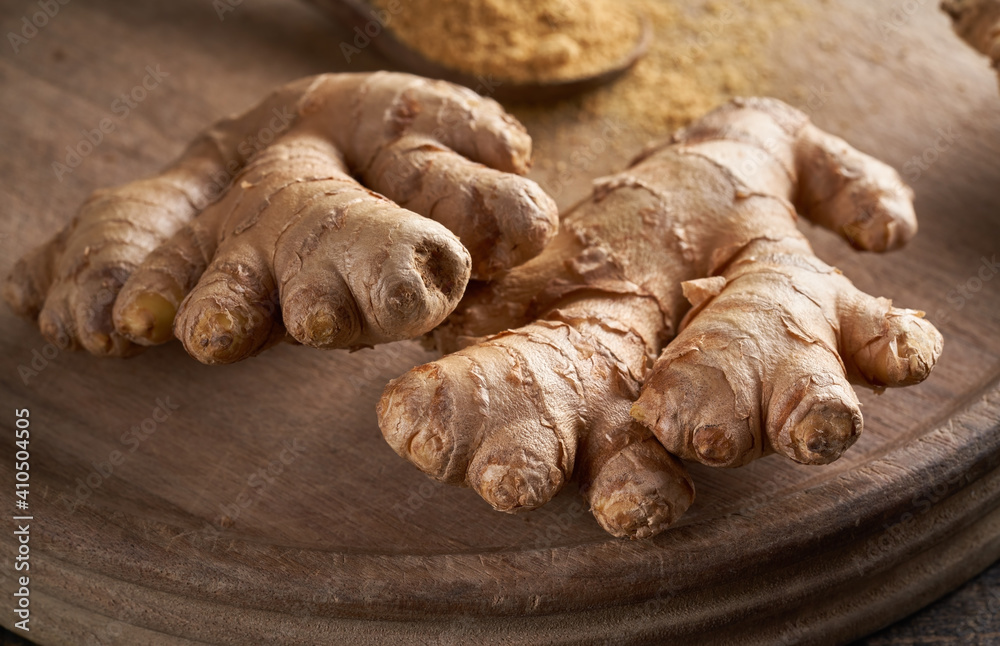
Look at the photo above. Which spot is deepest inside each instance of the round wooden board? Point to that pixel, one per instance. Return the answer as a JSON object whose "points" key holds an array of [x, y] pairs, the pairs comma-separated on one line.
{"points": [[175, 503]]}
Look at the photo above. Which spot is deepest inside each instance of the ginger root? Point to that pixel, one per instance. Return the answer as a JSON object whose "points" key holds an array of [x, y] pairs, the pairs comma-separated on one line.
{"points": [[294, 240], [552, 372], [978, 23]]}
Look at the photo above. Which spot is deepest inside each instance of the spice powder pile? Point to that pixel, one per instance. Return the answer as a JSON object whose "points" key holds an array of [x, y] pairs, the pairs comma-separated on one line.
{"points": [[703, 52]]}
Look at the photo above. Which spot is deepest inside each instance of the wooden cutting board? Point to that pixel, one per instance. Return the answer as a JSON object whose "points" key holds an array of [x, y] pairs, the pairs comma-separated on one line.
{"points": [[175, 503]]}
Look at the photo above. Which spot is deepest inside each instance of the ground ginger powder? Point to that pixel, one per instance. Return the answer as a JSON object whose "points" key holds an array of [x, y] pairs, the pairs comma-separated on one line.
{"points": [[517, 40], [703, 52]]}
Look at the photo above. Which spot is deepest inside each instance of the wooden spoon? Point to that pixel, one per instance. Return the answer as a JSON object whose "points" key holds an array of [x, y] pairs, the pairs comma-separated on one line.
{"points": [[358, 13]]}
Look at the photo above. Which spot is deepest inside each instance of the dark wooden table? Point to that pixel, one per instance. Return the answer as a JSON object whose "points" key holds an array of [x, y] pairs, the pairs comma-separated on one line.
{"points": [[969, 616]]}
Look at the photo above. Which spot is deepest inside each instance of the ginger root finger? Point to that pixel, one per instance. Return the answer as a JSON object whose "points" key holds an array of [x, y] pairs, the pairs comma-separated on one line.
{"points": [[147, 304], [32, 277], [386, 106], [301, 228], [516, 449], [756, 369], [977, 22], [699, 237], [765, 364], [230, 313], [71, 284], [515, 415], [403, 125], [639, 491], [502, 219], [884, 346], [634, 487], [114, 232], [846, 191]]}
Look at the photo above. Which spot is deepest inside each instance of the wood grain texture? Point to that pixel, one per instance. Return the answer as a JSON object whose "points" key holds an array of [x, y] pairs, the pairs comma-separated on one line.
{"points": [[186, 541], [969, 615]]}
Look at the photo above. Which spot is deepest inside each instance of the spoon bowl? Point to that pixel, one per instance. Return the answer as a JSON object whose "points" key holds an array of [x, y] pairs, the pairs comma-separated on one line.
{"points": [[358, 13]]}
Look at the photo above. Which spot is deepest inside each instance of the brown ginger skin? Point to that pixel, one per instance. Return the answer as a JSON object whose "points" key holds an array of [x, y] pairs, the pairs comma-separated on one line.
{"points": [[977, 22], [296, 240], [762, 363]]}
